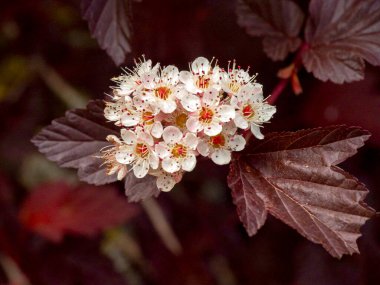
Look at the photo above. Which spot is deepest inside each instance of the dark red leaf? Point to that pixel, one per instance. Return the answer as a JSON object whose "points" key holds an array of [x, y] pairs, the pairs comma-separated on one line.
{"points": [[138, 189], [76, 139], [277, 21], [109, 24], [52, 210], [293, 176], [342, 34]]}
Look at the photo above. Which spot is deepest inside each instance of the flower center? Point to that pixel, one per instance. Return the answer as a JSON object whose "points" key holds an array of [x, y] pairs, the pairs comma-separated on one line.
{"points": [[234, 86], [205, 115], [218, 141], [180, 120], [248, 111], [148, 117], [162, 92], [142, 150], [203, 82], [179, 151]]}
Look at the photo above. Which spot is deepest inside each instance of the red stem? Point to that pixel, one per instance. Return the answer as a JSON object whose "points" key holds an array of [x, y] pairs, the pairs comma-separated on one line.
{"points": [[297, 62]]}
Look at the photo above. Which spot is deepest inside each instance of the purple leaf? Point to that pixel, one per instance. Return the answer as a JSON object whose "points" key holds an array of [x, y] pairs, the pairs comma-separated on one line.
{"points": [[109, 24], [342, 34], [137, 189], [277, 21], [76, 139], [293, 176]]}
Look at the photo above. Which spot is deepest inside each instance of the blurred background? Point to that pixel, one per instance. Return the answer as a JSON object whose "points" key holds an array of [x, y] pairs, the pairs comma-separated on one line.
{"points": [[54, 230]]}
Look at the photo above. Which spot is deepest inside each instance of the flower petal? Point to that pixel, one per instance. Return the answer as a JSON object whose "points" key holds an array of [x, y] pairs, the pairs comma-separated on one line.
{"points": [[193, 125], [237, 143], [221, 156], [124, 156], [212, 129], [129, 119], [265, 113], [165, 182], [141, 168], [170, 165], [170, 75], [128, 136], [225, 113], [153, 160], [186, 77], [203, 148], [189, 163], [256, 131], [167, 106], [200, 66], [162, 150], [157, 129], [191, 102], [191, 140], [210, 98], [172, 135], [240, 122]]}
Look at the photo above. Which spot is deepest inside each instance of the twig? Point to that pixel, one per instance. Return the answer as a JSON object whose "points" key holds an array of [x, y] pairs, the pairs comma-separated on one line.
{"points": [[161, 225], [62, 89]]}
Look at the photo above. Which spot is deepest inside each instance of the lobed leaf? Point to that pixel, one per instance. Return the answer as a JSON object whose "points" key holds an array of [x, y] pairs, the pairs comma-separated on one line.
{"points": [[277, 21], [76, 140], [293, 176], [55, 209], [342, 34], [109, 24]]}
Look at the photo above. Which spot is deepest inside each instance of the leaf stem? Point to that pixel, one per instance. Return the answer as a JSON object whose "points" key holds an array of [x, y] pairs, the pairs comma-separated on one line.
{"points": [[297, 63]]}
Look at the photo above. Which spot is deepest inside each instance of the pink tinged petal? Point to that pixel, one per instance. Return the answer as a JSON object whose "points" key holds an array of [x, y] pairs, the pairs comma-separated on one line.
{"points": [[191, 140], [225, 113], [257, 93], [240, 122], [170, 165], [148, 80], [265, 113], [180, 93], [170, 75], [230, 128], [112, 114], [213, 129], [191, 102], [200, 65], [210, 98], [141, 168], [203, 148], [113, 139], [130, 120], [172, 135], [165, 182], [128, 136], [234, 102], [122, 172], [153, 160], [245, 93], [162, 150], [186, 77], [221, 156], [157, 129], [188, 163], [193, 125], [124, 156], [256, 132], [145, 137], [167, 106], [237, 143]]}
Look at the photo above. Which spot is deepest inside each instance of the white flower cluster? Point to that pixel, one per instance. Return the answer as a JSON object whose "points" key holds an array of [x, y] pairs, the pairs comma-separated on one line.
{"points": [[169, 117]]}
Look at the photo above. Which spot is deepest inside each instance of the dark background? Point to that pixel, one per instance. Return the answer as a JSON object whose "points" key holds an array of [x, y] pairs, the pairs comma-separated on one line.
{"points": [[49, 63]]}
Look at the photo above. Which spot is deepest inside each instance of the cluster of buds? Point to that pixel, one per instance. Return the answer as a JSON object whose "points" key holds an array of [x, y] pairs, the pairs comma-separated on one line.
{"points": [[168, 118]]}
